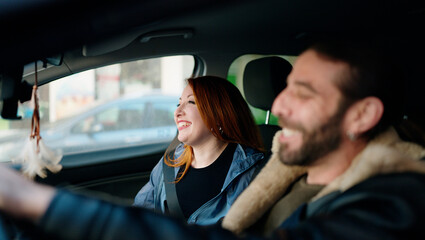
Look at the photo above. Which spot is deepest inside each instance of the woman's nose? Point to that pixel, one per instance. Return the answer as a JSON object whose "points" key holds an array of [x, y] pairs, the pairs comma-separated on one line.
{"points": [[179, 111]]}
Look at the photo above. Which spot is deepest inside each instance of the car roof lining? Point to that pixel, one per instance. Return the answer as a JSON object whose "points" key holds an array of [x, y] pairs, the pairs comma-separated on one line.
{"points": [[282, 31], [213, 19]]}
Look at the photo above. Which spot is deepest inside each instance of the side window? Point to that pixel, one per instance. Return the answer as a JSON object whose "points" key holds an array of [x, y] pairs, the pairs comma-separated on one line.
{"points": [[130, 117], [235, 75], [122, 117], [85, 126], [163, 114], [108, 120], [119, 106]]}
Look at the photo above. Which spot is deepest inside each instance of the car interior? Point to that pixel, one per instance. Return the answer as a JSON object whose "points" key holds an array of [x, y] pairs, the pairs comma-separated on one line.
{"points": [[257, 39]]}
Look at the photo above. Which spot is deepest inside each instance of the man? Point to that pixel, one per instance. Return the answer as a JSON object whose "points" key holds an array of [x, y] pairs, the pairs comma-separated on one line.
{"points": [[338, 171], [335, 116]]}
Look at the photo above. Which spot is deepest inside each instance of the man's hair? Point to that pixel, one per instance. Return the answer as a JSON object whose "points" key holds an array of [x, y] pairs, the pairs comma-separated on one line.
{"points": [[372, 72]]}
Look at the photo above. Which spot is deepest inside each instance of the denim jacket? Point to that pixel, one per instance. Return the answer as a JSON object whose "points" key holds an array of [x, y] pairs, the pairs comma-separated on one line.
{"points": [[240, 174]]}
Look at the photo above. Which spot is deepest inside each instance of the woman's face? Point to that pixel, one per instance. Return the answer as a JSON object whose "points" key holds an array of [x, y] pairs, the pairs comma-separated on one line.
{"points": [[191, 127]]}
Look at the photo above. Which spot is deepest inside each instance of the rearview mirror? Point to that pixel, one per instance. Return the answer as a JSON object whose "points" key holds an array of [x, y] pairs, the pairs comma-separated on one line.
{"points": [[55, 60], [12, 90]]}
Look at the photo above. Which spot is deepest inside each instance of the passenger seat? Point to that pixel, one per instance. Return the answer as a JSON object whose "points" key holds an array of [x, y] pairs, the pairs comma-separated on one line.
{"points": [[263, 80]]}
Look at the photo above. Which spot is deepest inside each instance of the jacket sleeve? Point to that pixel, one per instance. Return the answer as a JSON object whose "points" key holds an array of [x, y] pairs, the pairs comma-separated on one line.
{"points": [[146, 196], [385, 207], [71, 217]]}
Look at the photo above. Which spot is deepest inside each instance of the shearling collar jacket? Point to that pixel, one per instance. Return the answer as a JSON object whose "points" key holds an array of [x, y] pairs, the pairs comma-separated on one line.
{"points": [[385, 154]]}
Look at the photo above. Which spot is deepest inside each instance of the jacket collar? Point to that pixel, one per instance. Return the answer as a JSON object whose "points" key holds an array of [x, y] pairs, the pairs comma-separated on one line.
{"points": [[384, 154], [243, 159]]}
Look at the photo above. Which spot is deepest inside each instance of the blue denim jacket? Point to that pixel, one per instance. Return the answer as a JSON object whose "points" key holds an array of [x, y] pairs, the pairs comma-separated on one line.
{"points": [[241, 172]]}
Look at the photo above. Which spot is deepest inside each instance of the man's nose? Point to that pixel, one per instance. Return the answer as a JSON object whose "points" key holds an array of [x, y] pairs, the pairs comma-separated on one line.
{"points": [[280, 105]]}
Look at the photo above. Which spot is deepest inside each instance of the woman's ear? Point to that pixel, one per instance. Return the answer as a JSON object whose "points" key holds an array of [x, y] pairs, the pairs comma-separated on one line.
{"points": [[364, 115]]}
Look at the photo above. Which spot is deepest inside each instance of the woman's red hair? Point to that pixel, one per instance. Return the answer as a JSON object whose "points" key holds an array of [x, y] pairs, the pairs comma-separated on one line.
{"points": [[225, 112]]}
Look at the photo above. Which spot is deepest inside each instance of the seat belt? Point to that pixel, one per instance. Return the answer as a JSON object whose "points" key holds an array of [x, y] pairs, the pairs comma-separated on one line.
{"points": [[170, 191]]}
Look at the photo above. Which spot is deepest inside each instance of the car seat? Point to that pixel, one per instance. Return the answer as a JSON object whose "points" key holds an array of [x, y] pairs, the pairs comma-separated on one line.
{"points": [[263, 80]]}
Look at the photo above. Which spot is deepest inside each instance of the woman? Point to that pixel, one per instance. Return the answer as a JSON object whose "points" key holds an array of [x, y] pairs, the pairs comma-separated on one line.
{"points": [[219, 153]]}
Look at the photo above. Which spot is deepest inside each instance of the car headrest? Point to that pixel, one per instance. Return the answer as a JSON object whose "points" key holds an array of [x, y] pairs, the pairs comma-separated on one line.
{"points": [[264, 79]]}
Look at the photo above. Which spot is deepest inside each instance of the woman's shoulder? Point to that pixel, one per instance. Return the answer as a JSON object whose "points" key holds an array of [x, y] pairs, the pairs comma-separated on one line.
{"points": [[248, 151], [179, 149]]}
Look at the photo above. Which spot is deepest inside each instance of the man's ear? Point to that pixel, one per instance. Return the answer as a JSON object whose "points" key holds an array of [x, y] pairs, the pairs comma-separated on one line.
{"points": [[364, 115]]}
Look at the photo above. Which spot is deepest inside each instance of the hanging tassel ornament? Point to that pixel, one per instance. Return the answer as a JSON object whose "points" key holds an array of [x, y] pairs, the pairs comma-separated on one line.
{"points": [[36, 156]]}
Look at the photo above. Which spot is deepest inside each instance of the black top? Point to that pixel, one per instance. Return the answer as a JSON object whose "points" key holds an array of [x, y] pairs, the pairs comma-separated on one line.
{"points": [[202, 184]]}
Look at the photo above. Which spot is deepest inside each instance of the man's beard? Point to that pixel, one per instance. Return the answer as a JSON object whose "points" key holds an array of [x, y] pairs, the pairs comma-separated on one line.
{"points": [[317, 143]]}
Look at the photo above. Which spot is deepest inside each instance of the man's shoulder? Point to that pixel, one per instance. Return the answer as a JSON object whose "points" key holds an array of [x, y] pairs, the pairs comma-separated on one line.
{"points": [[393, 188], [392, 182]]}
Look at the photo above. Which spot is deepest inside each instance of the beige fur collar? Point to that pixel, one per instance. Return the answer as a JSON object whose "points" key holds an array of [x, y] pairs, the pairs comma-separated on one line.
{"points": [[385, 154]]}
